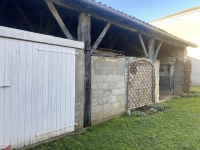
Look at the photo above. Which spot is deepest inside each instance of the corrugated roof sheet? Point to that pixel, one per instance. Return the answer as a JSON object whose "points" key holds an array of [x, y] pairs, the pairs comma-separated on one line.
{"points": [[134, 18]]}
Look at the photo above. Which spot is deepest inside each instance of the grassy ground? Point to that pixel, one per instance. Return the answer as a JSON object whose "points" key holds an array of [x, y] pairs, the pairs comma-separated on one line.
{"points": [[195, 89], [176, 128]]}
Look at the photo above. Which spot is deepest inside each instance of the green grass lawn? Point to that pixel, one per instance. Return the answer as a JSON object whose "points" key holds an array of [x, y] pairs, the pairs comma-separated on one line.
{"points": [[177, 128], [195, 89]]}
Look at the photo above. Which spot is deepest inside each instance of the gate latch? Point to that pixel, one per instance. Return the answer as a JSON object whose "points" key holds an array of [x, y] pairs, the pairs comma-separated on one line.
{"points": [[5, 86]]}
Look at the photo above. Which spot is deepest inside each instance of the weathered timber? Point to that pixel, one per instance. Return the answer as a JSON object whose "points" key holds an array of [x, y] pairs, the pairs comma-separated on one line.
{"points": [[58, 19], [114, 22], [134, 47], [96, 44], [23, 15], [107, 52], [112, 43], [157, 50], [151, 49], [84, 31], [143, 46], [3, 5]]}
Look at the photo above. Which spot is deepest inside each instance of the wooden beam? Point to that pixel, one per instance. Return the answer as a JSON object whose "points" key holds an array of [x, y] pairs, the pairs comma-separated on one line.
{"points": [[84, 31], [3, 5], [114, 22], [112, 43], [23, 15], [58, 19], [157, 50], [96, 44], [143, 46], [130, 44], [151, 49]]}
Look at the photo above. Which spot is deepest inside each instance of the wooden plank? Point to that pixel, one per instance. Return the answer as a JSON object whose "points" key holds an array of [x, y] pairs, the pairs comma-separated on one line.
{"points": [[68, 88], [2, 82], [84, 31], [58, 19], [34, 102], [73, 74], [50, 89], [40, 38], [8, 92], [15, 92], [23, 15], [96, 44], [22, 95], [63, 88], [45, 93], [59, 91], [40, 91], [157, 50], [54, 92], [28, 91], [143, 45]]}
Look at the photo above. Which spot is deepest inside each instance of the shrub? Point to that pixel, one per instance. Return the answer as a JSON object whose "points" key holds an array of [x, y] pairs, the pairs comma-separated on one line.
{"points": [[158, 106]]}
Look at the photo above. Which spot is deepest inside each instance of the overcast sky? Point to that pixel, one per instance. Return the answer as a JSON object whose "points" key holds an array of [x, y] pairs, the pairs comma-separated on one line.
{"points": [[148, 10]]}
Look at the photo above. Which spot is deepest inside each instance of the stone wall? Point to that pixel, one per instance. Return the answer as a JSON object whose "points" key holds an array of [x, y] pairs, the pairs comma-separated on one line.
{"points": [[108, 87], [79, 95], [171, 71]]}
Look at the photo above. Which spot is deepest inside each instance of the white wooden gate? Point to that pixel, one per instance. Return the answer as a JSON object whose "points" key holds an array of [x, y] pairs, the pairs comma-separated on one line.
{"points": [[37, 91]]}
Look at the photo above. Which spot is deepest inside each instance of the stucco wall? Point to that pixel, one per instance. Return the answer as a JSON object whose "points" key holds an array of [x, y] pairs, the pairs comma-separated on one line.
{"points": [[108, 87], [195, 71], [185, 26], [79, 95]]}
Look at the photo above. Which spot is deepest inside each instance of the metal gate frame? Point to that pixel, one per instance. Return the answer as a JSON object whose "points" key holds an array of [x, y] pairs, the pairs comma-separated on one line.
{"points": [[144, 102]]}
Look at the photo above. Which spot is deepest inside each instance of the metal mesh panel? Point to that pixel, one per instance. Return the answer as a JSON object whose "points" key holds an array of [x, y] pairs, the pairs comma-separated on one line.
{"points": [[140, 87]]}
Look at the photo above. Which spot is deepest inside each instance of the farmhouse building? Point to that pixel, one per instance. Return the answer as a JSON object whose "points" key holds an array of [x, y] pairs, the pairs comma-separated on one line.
{"points": [[67, 64]]}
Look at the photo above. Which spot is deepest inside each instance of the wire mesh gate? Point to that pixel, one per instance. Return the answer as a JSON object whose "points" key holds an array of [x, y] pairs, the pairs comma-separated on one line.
{"points": [[140, 83]]}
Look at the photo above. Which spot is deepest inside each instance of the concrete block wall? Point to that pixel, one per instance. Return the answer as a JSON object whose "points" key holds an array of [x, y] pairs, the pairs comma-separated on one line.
{"points": [[79, 93], [108, 87]]}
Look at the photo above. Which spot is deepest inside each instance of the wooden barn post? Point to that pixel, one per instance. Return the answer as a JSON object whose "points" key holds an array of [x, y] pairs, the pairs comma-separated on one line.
{"points": [[84, 31]]}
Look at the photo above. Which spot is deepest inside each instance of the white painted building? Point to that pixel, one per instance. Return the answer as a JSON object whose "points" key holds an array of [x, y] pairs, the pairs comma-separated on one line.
{"points": [[185, 25]]}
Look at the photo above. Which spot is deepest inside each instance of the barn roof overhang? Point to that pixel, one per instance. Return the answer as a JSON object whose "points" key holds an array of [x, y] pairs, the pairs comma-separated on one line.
{"points": [[98, 10]]}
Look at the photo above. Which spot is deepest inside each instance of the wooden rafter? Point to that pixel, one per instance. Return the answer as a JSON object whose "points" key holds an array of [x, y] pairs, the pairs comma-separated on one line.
{"points": [[143, 46], [96, 44], [23, 15], [114, 22], [112, 43], [157, 50], [58, 19]]}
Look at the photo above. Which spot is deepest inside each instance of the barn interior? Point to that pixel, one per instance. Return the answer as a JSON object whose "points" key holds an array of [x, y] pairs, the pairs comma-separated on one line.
{"points": [[35, 16]]}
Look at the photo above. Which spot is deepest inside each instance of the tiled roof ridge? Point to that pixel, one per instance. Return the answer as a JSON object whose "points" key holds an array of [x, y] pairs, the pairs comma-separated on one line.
{"points": [[179, 13]]}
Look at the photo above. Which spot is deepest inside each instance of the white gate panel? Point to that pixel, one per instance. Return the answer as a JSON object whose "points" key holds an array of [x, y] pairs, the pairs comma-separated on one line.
{"points": [[38, 100]]}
